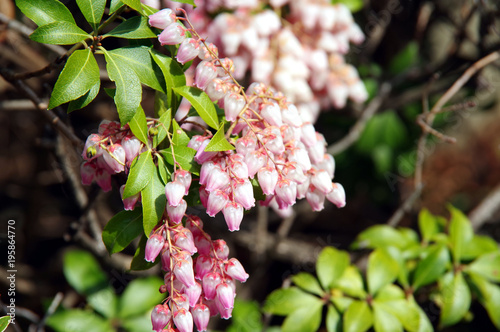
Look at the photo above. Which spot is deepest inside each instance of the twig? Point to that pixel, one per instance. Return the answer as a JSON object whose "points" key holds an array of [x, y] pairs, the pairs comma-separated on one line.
{"points": [[50, 311], [405, 207], [485, 210], [360, 125]]}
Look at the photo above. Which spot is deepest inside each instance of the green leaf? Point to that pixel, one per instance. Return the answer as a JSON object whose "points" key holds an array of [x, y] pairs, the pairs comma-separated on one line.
{"points": [[134, 28], [77, 320], [246, 317], [428, 225], [128, 87], [114, 6], [183, 155], [479, 245], [333, 322], [431, 267], [382, 270], [173, 74], [59, 33], [404, 59], [383, 129], [353, 5], [122, 229], [4, 322], [456, 298], [162, 169], [141, 171], [308, 282], [139, 59], [424, 325], [45, 12], [384, 321], [380, 236], [487, 265], [304, 319], [390, 292], [341, 302], [139, 126], [92, 10], [383, 158], [189, 2], [285, 301], [331, 265], [180, 138], [138, 323], [201, 103], [163, 127], [104, 301], [153, 202], [140, 296], [83, 273], [358, 317], [138, 262], [461, 233], [84, 100], [134, 4], [405, 311], [489, 297], [79, 75], [351, 282], [219, 142]]}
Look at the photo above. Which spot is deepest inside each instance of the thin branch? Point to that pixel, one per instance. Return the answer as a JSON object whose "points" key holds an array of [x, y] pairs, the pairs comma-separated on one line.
{"points": [[50, 311], [405, 207], [485, 210]]}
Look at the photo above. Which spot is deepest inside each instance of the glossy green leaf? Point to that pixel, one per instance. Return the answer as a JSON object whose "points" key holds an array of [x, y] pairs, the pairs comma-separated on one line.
{"points": [[351, 282], [382, 270], [120, 230], [139, 126], [45, 12], [405, 311], [219, 142], [153, 202], [487, 265], [427, 224], [246, 317], [189, 2], [308, 282], [489, 297], [383, 129], [79, 75], [83, 273], [431, 267], [128, 86], [134, 4], [77, 320], [183, 155], [331, 265], [384, 321], [92, 10], [140, 296], [179, 137], [456, 298], [138, 261], [478, 246], [59, 33], [390, 292], [353, 5], [287, 300], [201, 103], [114, 6], [304, 319], [163, 127], [333, 321], [341, 302], [139, 60], [405, 58], [380, 236], [162, 169], [461, 233], [141, 171], [104, 301], [134, 28], [173, 74], [148, 11], [358, 317], [4, 322], [84, 100], [139, 323]]}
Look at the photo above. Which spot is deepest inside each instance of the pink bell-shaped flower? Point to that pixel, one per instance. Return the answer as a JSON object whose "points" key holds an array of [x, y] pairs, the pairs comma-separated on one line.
{"points": [[193, 293], [184, 240], [175, 213], [315, 198], [210, 282], [233, 214], [225, 294], [272, 114], [188, 50], [132, 147], [244, 145], [337, 195], [162, 18], [268, 178], [201, 316], [255, 160], [202, 265], [205, 73], [103, 179], [87, 171], [153, 247], [183, 271], [216, 89], [321, 180], [286, 191], [115, 158], [221, 249], [217, 179], [174, 191], [160, 316], [216, 202], [243, 193], [129, 202], [174, 34], [185, 178], [183, 320], [233, 105], [235, 270]]}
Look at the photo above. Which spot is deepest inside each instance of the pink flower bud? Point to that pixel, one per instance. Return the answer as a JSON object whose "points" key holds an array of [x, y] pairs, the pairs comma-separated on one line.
{"points": [[129, 202], [337, 195], [153, 247], [294, 172], [103, 179], [201, 316], [175, 213], [162, 19], [321, 180], [272, 114], [92, 141], [235, 270], [286, 191], [210, 282], [185, 178], [308, 134], [205, 72], [188, 50], [184, 240], [217, 179], [216, 89], [268, 178], [115, 158], [290, 116], [183, 271], [174, 191], [87, 171], [328, 164], [233, 105], [160, 316], [225, 294], [204, 194], [194, 224], [173, 34], [233, 214], [206, 170], [255, 160], [300, 156], [132, 147], [165, 258], [179, 302], [203, 244], [193, 293], [183, 320], [315, 198], [243, 193], [216, 202], [221, 249], [302, 188], [201, 155], [224, 313], [245, 145], [203, 264], [239, 169], [195, 142]]}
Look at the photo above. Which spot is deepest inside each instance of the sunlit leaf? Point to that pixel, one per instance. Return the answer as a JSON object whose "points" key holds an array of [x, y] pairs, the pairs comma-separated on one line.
{"points": [[59, 33], [120, 230]]}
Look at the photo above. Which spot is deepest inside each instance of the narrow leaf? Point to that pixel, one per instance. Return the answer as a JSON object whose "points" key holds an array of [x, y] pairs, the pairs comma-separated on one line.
{"points": [[86, 99], [134, 28], [358, 317], [45, 12], [331, 265], [461, 233], [456, 298], [92, 10], [287, 300], [431, 267], [141, 171], [219, 142], [173, 74], [163, 127], [183, 156], [122, 229], [139, 126], [134, 4], [201, 103], [489, 297], [308, 282], [128, 87], [153, 202], [114, 6], [162, 169], [179, 136], [4, 322], [333, 322], [380, 236], [382, 270], [79, 75], [405, 311], [487, 265], [427, 224], [59, 33], [305, 319]]}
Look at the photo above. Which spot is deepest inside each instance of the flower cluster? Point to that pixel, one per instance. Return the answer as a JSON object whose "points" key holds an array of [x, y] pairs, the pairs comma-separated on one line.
{"points": [[302, 57], [198, 287]]}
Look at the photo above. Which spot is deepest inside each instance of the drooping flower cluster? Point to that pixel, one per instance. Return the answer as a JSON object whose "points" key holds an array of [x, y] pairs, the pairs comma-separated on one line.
{"points": [[198, 287], [303, 58]]}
